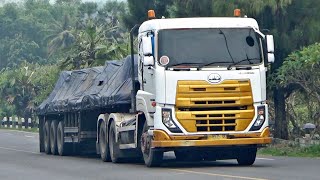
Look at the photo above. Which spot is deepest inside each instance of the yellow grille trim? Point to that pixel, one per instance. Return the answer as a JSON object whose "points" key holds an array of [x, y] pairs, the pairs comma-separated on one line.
{"points": [[214, 99]]}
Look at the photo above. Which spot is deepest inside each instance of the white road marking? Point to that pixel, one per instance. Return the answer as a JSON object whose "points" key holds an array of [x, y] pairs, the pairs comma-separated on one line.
{"points": [[17, 150], [267, 159], [217, 175], [29, 136]]}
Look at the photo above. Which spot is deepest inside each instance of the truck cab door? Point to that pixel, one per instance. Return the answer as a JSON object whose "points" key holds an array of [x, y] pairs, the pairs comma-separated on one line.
{"points": [[146, 63]]}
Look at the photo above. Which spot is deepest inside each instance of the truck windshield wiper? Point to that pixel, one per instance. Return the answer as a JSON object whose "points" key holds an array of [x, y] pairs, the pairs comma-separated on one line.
{"points": [[212, 63], [236, 63], [226, 42], [179, 64]]}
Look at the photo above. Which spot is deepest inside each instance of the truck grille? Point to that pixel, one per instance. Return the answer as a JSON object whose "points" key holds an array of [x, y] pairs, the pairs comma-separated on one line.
{"points": [[205, 107]]}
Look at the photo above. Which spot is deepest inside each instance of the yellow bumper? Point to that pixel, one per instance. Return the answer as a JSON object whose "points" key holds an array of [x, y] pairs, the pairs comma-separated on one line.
{"points": [[162, 139]]}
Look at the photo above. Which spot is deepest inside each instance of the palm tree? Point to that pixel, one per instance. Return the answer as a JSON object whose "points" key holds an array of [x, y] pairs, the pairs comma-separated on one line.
{"points": [[60, 36]]}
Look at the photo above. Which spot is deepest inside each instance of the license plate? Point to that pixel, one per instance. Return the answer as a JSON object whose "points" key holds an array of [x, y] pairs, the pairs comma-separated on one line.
{"points": [[215, 137]]}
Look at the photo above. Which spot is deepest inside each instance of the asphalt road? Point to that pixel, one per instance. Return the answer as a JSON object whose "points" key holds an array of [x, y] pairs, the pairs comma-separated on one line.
{"points": [[20, 159]]}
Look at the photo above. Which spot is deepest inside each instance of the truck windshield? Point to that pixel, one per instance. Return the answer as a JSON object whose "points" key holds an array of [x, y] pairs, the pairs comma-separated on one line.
{"points": [[210, 47]]}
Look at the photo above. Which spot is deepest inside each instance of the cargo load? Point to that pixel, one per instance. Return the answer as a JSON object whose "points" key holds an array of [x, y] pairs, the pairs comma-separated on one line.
{"points": [[96, 87]]}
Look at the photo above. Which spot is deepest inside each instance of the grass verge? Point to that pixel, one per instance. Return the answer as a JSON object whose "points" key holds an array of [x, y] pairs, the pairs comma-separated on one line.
{"points": [[291, 151], [20, 129]]}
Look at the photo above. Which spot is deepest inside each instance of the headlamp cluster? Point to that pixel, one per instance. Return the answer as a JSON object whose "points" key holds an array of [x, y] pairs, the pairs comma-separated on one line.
{"points": [[168, 121], [260, 118]]}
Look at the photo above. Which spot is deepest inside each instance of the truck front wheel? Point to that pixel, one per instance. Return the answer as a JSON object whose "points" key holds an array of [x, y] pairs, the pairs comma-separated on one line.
{"points": [[247, 156], [151, 157], [46, 137]]}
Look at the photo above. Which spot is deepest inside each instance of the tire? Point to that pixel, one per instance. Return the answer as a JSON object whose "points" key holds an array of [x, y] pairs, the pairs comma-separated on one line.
{"points": [[151, 157], [46, 137], [53, 137], [113, 145], [247, 156], [103, 143], [63, 148]]}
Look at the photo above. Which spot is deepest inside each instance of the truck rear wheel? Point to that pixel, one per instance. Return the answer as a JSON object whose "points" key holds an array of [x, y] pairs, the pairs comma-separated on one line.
{"points": [[247, 156], [63, 148], [46, 137], [53, 137], [103, 144], [151, 157], [113, 145]]}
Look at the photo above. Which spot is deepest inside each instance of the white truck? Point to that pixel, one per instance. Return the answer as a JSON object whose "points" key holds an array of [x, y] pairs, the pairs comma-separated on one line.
{"points": [[197, 87]]}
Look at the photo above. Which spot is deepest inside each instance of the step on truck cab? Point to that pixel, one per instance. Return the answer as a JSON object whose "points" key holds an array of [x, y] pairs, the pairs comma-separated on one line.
{"points": [[197, 87]]}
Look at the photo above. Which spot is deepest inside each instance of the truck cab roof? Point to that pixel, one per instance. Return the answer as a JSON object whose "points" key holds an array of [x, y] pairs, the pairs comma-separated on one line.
{"points": [[199, 22]]}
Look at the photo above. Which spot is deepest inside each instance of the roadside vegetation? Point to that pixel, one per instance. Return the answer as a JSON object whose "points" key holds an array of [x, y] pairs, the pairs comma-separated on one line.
{"points": [[291, 151], [39, 39]]}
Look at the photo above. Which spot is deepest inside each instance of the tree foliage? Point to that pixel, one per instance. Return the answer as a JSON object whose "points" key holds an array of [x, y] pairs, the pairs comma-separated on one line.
{"points": [[39, 39], [24, 87], [301, 70]]}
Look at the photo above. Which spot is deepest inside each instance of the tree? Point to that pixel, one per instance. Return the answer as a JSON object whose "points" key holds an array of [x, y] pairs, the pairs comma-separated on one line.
{"points": [[301, 69], [60, 35], [24, 87], [93, 46], [190, 8], [138, 10], [16, 50]]}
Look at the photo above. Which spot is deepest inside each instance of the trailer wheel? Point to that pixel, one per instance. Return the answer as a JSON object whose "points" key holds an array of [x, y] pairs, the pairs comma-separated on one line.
{"points": [[113, 145], [247, 156], [46, 134], [53, 137], [151, 157], [103, 144], [63, 148]]}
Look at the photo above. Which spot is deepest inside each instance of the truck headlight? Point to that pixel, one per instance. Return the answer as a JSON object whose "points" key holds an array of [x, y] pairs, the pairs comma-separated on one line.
{"points": [[260, 118], [168, 122]]}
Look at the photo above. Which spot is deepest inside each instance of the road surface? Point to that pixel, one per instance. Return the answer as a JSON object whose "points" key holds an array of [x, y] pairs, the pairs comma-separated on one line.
{"points": [[20, 159]]}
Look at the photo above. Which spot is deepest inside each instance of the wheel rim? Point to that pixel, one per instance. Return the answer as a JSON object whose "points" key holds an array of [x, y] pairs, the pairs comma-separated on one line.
{"points": [[145, 144]]}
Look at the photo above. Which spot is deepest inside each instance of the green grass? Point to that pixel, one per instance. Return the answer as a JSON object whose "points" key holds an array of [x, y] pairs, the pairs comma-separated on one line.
{"points": [[26, 130], [291, 151]]}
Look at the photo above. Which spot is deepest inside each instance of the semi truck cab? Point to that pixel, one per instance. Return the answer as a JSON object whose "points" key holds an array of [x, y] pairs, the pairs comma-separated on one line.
{"points": [[203, 86]]}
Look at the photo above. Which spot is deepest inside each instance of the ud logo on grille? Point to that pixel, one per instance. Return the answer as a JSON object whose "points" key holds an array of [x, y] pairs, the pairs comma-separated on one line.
{"points": [[214, 78]]}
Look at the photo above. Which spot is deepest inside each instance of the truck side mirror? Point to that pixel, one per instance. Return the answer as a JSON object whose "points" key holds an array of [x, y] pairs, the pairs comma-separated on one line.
{"points": [[271, 57], [270, 48], [148, 61], [147, 46]]}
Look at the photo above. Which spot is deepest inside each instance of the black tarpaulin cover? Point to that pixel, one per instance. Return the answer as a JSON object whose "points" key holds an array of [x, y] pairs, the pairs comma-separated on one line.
{"points": [[91, 88]]}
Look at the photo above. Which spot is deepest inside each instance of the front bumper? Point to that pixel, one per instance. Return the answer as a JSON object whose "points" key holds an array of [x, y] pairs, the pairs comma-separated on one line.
{"points": [[162, 139]]}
